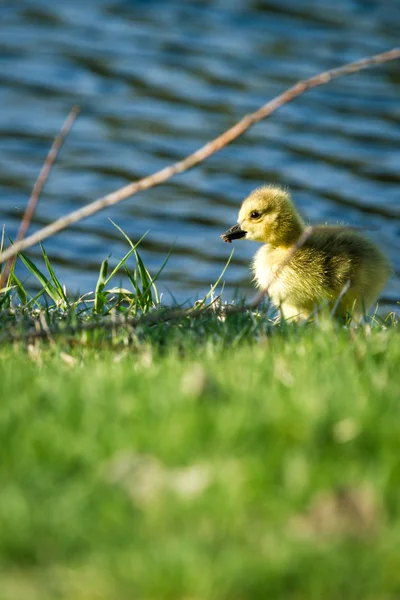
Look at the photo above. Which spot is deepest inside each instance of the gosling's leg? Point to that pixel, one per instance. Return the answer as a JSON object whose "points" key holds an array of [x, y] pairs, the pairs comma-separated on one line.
{"points": [[293, 313]]}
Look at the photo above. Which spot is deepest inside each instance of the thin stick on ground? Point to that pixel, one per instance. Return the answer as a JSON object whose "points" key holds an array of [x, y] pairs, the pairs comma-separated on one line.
{"points": [[159, 316], [39, 185], [200, 155]]}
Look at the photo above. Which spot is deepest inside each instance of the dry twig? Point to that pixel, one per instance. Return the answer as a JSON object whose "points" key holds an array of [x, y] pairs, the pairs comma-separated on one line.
{"points": [[200, 155], [38, 187]]}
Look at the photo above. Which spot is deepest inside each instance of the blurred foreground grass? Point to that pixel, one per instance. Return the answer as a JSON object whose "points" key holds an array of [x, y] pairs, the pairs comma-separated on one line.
{"points": [[202, 465]]}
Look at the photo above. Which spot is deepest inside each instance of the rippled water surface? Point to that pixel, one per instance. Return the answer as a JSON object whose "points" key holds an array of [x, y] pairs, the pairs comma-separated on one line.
{"points": [[156, 80]]}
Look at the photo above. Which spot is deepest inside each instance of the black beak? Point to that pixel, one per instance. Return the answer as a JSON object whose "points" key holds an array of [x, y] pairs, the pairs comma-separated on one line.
{"points": [[234, 233]]}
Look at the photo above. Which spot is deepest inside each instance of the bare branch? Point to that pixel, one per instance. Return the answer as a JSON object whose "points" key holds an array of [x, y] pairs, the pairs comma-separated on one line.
{"points": [[200, 155], [39, 185]]}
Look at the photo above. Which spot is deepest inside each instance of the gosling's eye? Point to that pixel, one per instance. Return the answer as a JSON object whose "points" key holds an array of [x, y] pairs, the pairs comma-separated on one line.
{"points": [[255, 214]]}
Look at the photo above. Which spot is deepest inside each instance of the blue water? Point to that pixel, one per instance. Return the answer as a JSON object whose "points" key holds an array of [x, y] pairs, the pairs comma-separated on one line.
{"points": [[155, 81]]}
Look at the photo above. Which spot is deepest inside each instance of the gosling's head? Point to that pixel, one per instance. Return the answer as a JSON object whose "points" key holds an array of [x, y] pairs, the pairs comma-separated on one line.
{"points": [[267, 216]]}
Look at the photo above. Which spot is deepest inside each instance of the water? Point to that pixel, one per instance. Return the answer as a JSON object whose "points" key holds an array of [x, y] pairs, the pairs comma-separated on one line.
{"points": [[155, 81]]}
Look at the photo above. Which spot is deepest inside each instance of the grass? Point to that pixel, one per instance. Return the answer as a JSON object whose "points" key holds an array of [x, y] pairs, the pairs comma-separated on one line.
{"points": [[269, 469], [218, 458]]}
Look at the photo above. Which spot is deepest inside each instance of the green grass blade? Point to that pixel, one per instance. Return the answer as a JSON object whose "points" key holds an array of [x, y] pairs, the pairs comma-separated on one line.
{"points": [[216, 284], [34, 299], [4, 290], [53, 277], [133, 281], [160, 270], [125, 258], [48, 287], [23, 296], [126, 236], [147, 297], [3, 232], [5, 296], [99, 297]]}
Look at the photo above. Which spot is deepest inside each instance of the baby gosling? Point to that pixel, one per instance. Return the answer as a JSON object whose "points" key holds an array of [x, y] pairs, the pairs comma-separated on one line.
{"points": [[335, 266]]}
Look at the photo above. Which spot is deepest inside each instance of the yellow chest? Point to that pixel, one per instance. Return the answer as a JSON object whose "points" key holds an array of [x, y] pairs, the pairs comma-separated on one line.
{"points": [[267, 265]]}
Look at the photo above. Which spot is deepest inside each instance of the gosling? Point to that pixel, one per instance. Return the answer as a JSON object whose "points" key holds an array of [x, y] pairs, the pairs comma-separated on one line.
{"points": [[334, 266]]}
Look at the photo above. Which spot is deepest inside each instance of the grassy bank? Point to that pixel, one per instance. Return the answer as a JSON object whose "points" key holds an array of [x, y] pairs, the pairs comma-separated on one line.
{"points": [[208, 461], [199, 455]]}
